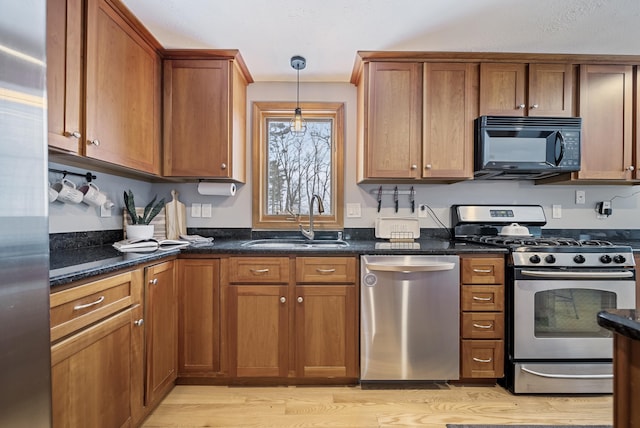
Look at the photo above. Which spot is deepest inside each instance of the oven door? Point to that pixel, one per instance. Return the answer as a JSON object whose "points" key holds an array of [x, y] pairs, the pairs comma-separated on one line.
{"points": [[556, 318]]}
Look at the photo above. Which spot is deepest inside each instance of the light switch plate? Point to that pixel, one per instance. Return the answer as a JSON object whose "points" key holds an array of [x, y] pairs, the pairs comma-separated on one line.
{"points": [[354, 210], [196, 210], [556, 211]]}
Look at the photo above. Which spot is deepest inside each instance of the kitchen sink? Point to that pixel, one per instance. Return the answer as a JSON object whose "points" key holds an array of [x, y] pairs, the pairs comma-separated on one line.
{"points": [[295, 244]]}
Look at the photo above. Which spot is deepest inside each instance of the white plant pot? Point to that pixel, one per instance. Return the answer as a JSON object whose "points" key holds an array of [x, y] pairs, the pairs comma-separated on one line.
{"points": [[139, 231]]}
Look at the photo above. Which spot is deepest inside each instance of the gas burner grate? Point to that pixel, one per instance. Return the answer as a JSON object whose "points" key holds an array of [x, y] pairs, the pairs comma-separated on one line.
{"points": [[528, 241]]}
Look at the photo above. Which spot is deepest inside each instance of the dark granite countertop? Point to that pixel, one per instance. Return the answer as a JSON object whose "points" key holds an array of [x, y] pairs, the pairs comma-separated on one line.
{"points": [[622, 321], [66, 266], [72, 265]]}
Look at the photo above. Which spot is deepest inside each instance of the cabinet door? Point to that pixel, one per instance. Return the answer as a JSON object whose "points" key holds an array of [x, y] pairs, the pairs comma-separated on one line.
{"points": [[326, 331], [91, 375], [161, 334], [198, 317], [550, 90], [196, 118], [450, 106], [123, 93], [258, 330], [606, 101], [393, 121], [64, 73], [502, 89]]}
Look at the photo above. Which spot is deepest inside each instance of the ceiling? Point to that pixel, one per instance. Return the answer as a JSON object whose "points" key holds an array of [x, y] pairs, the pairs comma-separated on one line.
{"points": [[328, 33]]}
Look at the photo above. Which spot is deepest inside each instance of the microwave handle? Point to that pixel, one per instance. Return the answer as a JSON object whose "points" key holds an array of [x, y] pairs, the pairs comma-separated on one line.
{"points": [[560, 140]]}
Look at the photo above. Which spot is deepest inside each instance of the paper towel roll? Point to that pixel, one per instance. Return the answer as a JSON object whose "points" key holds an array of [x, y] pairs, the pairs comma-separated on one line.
{"points": [[217, 189]]}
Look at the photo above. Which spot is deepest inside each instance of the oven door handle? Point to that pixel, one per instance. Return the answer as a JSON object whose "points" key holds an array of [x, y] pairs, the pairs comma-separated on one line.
{"points": [[582, 275], [566, 376]]}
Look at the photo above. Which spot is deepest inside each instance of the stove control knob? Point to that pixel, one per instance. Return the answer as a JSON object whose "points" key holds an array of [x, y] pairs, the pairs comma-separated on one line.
{"points": [[619, 259], [534, 259], [605, 259], [550, 258], [579, 259]]}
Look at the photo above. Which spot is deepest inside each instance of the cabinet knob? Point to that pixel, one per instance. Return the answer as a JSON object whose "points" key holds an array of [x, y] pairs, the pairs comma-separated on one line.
{"points": [[74, 134], [427, 166], [139, 322], [631, 168], [520, 107], [153, 281], [95, 142], [283, 299], [223, 166], [414, 166], [300, 299], [534, 106]]}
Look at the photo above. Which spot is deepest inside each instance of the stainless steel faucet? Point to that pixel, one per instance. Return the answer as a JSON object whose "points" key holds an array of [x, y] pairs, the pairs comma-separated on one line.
{"points": [[309, 234]]}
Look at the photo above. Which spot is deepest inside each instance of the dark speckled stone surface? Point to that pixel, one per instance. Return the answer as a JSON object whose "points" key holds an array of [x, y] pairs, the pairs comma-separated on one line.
{"points": [[72, 264], [622, 321]]}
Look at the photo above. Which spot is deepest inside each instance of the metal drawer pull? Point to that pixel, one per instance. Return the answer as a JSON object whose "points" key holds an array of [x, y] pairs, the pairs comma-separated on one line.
{"points": [[325, 270], [480, 360], [283, 299], [260, 270], [139, 322], [482, 270], [567, 376], [88, 305], [482, 326], [484, 299], [300, 299]]}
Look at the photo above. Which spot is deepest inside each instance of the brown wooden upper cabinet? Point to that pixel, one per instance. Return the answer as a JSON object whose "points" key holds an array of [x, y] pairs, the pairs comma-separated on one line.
{"points": [[520, 89], [416, 120], [64, 74], [606, 108], [122, 92], [205, 115]]}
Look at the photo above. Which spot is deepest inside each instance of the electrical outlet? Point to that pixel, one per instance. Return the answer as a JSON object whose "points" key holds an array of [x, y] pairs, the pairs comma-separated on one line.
{"points": [[422, 211], [556, 211], [581, 197]]}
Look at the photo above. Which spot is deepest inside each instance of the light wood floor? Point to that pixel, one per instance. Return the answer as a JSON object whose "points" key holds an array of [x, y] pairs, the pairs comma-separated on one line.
{"points": [[300, 407]]}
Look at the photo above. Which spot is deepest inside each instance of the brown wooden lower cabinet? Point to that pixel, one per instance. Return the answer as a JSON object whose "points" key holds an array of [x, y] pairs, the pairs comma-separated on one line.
{"points": [[482, 317], [91, 375], [198, 317], [96, 352], [161, 331], [288, 331]]}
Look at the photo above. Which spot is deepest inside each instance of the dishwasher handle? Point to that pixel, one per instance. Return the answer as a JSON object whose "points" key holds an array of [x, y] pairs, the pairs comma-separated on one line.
{"points": [[409, 268]]}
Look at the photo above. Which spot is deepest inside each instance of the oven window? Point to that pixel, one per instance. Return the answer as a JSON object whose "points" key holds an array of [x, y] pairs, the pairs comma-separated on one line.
{"points": [[571, 312]]}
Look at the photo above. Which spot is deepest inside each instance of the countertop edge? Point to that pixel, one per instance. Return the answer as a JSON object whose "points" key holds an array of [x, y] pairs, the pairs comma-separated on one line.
{"points": [[622, 321]]}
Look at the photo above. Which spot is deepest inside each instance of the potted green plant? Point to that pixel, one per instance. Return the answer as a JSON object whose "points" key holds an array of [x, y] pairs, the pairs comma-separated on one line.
{"points": [[140, 227]]}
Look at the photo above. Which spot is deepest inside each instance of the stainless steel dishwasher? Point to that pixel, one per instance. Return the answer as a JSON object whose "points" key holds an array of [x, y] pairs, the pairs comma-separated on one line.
{"points": [[410, 312]]}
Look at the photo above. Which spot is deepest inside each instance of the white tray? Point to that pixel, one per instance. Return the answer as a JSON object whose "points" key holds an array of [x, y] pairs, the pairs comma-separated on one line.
{"points": [[397, 228]]}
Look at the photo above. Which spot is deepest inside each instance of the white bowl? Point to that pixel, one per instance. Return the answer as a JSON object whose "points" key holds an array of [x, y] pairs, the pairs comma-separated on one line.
{"points": [[514, 229]]}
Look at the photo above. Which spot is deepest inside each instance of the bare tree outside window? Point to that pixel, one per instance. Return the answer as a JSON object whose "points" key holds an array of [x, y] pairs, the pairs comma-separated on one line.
{"points": [[299, 166], [289, 169]]}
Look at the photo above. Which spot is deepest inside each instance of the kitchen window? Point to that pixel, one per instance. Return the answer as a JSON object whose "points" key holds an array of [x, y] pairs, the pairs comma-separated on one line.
{"points": [[289, 169]]}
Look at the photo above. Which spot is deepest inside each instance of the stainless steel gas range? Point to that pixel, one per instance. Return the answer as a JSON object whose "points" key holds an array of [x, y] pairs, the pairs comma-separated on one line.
{"points": [[555, 288]]}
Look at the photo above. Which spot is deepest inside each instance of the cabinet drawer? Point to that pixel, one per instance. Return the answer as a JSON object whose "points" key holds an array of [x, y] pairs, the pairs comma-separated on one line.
{"points": [[247, 270], [482, 298], [482, 270], [326, 270], [483, 325], [75, 308], [482, 358]]}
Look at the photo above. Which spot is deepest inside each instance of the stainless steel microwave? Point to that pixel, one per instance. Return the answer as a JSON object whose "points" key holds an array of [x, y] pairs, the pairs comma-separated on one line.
{"points": [[526, 148]]}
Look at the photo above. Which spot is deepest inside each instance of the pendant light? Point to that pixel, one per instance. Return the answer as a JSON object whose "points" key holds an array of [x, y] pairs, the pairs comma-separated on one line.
{"points": [[297, 125]]}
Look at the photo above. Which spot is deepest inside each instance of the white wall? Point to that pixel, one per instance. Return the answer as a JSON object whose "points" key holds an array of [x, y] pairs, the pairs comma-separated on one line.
{"points": [[236, 211]]}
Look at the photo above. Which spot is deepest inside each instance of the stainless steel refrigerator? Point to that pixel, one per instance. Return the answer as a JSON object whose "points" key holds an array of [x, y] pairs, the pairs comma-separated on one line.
{"points": [[25, 378]]}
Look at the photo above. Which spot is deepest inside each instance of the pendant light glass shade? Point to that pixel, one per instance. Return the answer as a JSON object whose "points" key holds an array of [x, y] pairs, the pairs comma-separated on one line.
{"points": [[297, 125]]}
